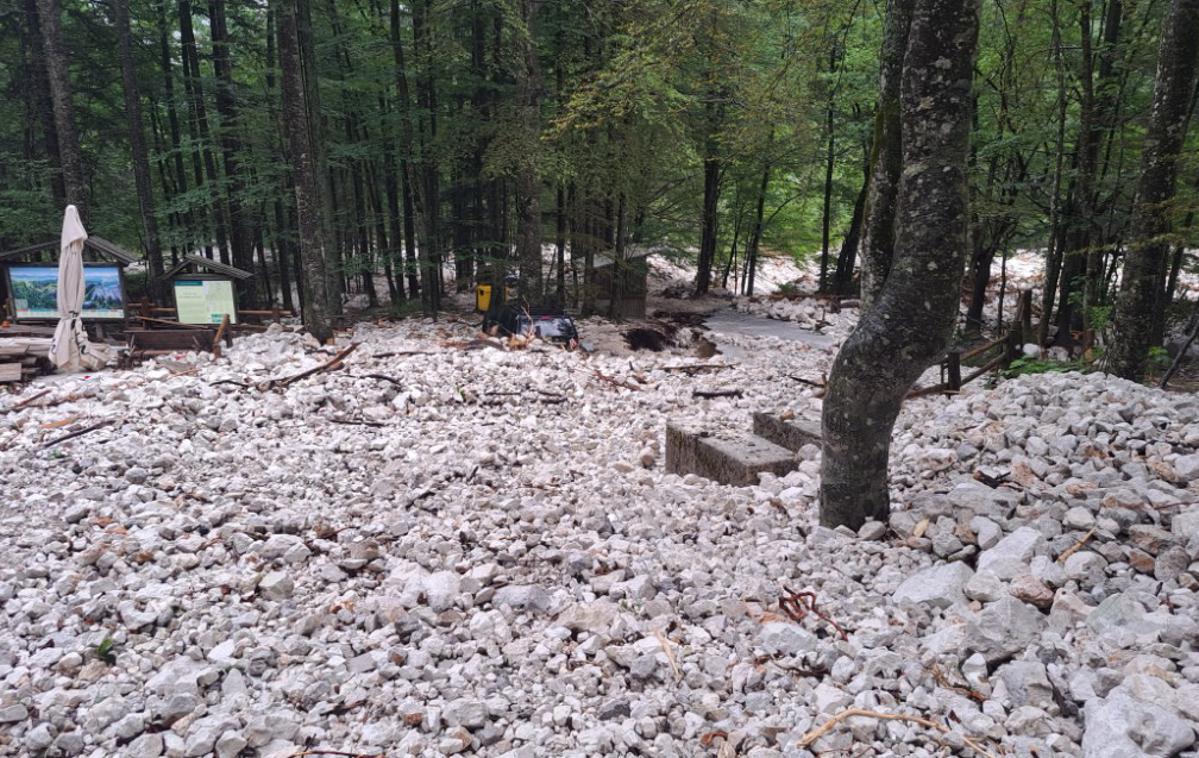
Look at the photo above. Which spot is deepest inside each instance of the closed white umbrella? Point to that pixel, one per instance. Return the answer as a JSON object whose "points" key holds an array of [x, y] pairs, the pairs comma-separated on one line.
{"points": [[71, 350]]}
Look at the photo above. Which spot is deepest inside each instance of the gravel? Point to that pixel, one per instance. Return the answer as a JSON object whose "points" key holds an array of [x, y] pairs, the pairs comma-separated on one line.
{"points": [[449, 560]]}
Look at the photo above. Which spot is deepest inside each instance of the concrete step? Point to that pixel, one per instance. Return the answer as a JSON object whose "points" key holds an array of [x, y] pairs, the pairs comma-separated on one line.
{"points": [[728, 458], [792, 434]]}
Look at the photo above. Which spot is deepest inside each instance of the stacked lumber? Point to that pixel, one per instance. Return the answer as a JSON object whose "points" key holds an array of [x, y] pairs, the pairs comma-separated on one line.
{"points": [[23, 358]]}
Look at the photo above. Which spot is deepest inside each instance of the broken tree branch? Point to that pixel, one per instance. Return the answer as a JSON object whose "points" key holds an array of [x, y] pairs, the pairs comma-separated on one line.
{"points": [[614, 382], [1076, 546], [809, 382], [77, 433], [695, 368], [332, 363], [848, 713], [797, 605], [717, 393], [28, 401]]}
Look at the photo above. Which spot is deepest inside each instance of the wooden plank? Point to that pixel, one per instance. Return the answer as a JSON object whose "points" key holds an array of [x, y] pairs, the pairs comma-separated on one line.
{"points": [[10, 372], [171, 339]]}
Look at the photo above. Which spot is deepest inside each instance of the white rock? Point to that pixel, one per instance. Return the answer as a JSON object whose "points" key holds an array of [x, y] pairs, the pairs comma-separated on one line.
{"points": [[277, 585], [939, 586], [783, 638], [1012, 554]]}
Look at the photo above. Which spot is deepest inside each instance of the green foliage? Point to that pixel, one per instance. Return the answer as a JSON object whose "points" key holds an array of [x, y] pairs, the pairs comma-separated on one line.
{"points": [[106, 651], [1159, 357], [1026, 366], [633, 96]]}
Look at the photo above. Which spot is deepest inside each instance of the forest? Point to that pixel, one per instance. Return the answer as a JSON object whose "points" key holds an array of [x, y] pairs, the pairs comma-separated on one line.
{"points": [[408, 141], [834, 396]]}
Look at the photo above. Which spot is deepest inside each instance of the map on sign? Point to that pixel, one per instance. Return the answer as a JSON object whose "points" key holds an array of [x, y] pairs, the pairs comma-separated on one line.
{"points": [[205, 301], [34, 291]]}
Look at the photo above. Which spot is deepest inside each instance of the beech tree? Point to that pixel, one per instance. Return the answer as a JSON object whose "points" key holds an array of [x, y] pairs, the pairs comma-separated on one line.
{"points": [[913, 317], [70, 154], [296, 119], [878, 238], [137, 144], [1149, 248]]}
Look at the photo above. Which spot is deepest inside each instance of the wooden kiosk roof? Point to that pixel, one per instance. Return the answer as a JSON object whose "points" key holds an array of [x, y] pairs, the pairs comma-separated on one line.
{"points": [[97, 245]]}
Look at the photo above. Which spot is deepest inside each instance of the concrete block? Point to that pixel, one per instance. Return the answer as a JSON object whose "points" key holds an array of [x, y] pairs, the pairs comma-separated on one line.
{"points": [[791, 434], [727, 458]]}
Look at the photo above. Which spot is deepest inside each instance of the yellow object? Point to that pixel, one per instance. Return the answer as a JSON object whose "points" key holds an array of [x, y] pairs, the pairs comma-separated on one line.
{"points": [[482, 297]]}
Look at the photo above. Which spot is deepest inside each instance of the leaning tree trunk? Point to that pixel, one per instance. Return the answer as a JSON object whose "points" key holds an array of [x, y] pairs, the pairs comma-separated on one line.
{"points": [[308, 199], [137, 144], [71, 157], [912, 319], [878, 237], [1149, 248]]}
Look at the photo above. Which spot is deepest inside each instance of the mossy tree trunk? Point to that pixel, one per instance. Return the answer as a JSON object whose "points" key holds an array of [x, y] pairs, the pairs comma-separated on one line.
{"points": [[913, 315]]}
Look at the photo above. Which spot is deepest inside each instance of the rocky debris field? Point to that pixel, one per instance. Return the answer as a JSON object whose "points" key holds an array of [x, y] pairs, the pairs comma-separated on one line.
{"points": [[441, 548]]}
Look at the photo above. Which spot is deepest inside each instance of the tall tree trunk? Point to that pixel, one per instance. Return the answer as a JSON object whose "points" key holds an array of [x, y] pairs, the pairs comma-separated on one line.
{"points": [[405, 151], [878, 237], [829, 161], [755, 237], [528, 180], [137, 144], [1149, 248], [430, 185], [707, 244], [1082, 258], [1053, 253], [168, 88], [317, 316], [199, 120], [560, 245], [39, 88], [280, 242], [240, 242], [913, 316], [70, 155], [847, 258]]}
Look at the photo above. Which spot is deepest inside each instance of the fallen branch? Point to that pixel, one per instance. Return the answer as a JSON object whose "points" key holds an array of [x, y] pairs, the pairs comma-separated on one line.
{"points": [[332, 363], [943, 681], [828, 726], [695, 368], [991, 481], [816, 671], [336, 752], [356, 422], [27, 401], [717, 393], [1076, 546], [798, 605], [614, 382], [399, 353], [668, 649], [809, 382], [234, 382], [77, 433], [382, 378]]}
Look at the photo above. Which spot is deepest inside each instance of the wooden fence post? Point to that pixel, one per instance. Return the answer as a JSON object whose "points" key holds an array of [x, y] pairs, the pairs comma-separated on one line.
{"points": [[953, 369], [1024, 315], [1013, 347]]}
